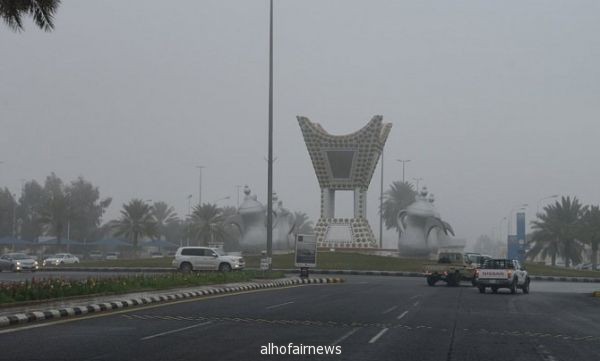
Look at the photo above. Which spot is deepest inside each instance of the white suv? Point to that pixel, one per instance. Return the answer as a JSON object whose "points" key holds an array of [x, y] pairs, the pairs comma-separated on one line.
{"points": [[204, 258]]}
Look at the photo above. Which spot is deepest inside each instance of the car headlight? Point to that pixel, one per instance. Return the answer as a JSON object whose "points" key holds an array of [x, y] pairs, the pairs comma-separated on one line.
{"points": [[35, 263], [18, 263]]}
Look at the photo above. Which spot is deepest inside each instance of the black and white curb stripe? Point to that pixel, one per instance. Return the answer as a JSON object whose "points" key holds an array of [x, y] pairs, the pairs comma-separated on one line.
{"points": [[20, 318]]}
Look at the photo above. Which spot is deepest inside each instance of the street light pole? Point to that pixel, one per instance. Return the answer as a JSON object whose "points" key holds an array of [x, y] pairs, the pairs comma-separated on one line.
{"points": [[404, 161], [238, 186], [200, 167], [542, 199], [500, 228], [381, 204], [417, 183], [270, 159]]}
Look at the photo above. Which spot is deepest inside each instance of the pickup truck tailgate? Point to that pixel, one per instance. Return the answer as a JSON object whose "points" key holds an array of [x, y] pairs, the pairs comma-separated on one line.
{"points": [[493, 274]]}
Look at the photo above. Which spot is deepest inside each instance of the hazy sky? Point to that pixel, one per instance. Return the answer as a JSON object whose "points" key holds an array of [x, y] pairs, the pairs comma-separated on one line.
{"points": [[496, 103]]}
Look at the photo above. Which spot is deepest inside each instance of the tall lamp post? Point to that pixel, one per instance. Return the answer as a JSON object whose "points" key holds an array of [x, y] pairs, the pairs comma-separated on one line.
{"points": [[270, 156], [417, 183], [237, 187], [539, 202], [500, 228], [381, 204], [200, 167], [404, 161]]}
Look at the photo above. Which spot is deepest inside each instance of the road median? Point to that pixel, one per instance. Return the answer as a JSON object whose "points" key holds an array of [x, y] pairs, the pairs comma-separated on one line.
{"points": [[129, 301]]}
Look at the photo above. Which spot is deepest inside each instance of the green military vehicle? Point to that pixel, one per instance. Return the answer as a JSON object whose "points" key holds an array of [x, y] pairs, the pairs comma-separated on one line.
{"points": [[453, 267]]}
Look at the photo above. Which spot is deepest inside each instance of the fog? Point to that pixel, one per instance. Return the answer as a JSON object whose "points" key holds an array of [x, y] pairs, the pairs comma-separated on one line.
{"points": [[495, 103]]}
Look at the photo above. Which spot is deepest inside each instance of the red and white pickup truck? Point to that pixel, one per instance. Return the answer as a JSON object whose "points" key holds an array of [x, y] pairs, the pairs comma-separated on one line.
{"points": [[502, 273]]}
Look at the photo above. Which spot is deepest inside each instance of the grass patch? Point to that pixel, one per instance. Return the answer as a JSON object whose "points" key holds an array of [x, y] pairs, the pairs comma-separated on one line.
{"points": [[542, 270], [46, 289]]}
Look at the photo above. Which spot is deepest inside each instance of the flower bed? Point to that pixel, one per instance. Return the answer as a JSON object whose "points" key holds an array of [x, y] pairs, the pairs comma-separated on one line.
{"points": [[50, 288]]}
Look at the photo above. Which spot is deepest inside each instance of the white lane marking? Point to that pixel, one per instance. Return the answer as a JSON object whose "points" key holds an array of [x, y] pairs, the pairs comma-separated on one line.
{"points": [[345, 336], [402, 315], [174, 331], [376, 337], [389, 310], [545, 354], [416, 304], [415, 296], [279, 305]]}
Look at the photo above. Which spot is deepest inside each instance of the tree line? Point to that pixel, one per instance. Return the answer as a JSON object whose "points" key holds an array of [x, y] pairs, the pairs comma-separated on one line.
{"points": [[563, 229], [74, 211]]}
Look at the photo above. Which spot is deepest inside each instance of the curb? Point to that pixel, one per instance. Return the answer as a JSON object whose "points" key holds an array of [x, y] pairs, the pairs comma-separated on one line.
{"points": [[34, 316], [353, 272]]}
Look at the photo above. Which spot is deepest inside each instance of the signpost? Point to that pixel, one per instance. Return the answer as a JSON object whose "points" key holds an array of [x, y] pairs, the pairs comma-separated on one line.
{"points": [[306, 253]]}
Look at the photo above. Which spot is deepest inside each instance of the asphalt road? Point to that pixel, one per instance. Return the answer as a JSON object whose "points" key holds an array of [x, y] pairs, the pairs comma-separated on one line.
{"points": [[370, 318]]}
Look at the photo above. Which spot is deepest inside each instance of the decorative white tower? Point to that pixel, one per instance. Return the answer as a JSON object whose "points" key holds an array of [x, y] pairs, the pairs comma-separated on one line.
{"points": [[344, 162]]}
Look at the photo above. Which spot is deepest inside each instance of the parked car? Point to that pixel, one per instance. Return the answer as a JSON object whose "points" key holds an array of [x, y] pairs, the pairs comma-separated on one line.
{"points": [[188, 259], [95, 255], [17, 262], [111, 256], [502, 273], [60, 259]]}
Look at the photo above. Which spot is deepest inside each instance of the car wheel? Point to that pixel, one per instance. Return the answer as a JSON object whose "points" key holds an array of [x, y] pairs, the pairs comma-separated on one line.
{"points": [[224, 267], [513, 287], [481, 289], [526, 286], [431, 280], [186, 267], [494, 289]]}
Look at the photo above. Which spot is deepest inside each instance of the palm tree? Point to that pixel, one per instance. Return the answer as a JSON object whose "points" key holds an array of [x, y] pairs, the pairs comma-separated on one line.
{"points": [[399, 196], [208, 224], [164, 215], [42, 11], [136, 222], [556, 231], [302, 224], [591, 231]]}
